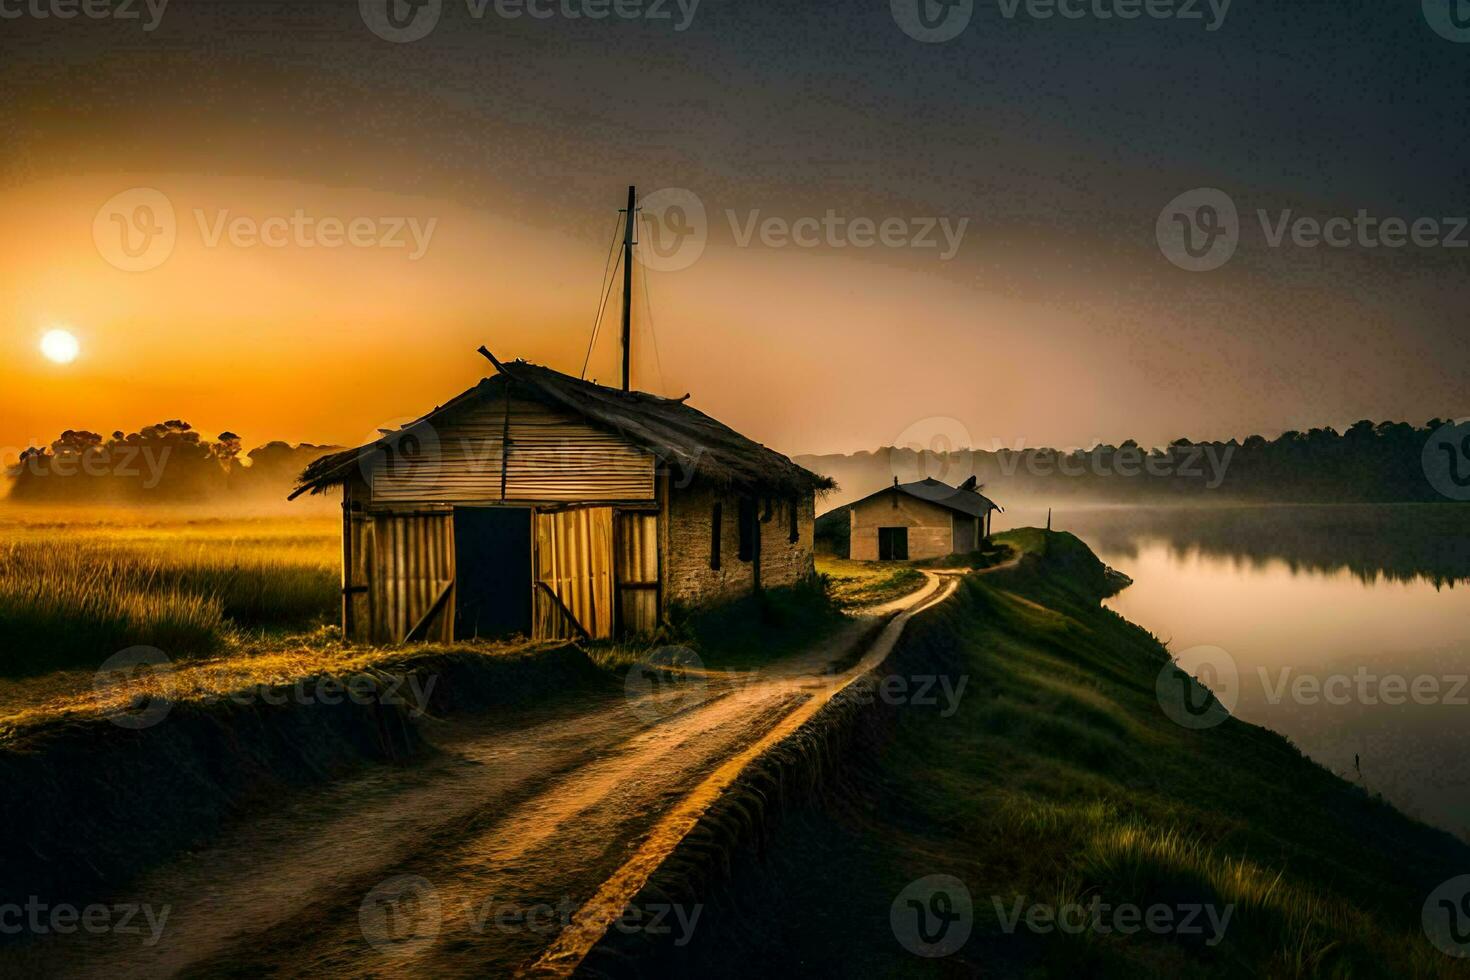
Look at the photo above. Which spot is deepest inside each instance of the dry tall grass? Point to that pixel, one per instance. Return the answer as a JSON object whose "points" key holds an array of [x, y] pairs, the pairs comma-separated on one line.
{"points": [[72, 593]]}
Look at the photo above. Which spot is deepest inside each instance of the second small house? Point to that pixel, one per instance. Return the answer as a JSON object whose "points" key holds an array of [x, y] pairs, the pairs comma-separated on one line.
{"points": [[924, 519], [542, 505]]}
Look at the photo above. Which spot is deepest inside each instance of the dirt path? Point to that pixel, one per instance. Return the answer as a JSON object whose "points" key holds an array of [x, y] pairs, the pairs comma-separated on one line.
{"points": [[510, 847]]}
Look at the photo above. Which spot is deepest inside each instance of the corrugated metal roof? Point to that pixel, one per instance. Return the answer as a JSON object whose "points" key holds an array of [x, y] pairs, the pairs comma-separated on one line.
{"points": [[963, 501], [678, 435]]}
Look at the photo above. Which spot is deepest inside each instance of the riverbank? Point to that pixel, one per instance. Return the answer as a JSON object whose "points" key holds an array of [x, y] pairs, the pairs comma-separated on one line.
{"points": [[1059, 787]]}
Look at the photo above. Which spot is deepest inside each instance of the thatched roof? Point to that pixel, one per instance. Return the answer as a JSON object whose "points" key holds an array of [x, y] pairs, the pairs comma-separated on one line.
{"points": [[681, 437]]}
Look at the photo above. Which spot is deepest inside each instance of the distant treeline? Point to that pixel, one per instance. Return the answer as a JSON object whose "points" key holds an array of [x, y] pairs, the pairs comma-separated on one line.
{"points": [[1369, 463], [167, 463]]}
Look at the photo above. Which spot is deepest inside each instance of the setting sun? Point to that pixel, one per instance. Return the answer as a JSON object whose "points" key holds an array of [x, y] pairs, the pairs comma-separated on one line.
{"points": [[60, 346]]}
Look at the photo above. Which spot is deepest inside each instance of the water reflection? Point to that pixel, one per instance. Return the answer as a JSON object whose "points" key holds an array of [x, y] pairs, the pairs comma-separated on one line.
{"points": [[1343, 622], [1396, 543]]}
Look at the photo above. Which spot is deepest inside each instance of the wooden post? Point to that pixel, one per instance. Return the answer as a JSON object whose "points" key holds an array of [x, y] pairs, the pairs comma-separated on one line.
{"points": [[505, 445], [347, 593], [628, 290]]}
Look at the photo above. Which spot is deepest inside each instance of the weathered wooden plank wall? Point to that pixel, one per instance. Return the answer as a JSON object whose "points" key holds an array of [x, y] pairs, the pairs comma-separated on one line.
{"points": [[574, 559], [554, 456], [403, 561]]}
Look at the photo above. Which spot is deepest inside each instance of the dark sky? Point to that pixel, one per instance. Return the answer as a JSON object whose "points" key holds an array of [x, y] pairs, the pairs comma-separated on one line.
{"points": [[1057, 320]]}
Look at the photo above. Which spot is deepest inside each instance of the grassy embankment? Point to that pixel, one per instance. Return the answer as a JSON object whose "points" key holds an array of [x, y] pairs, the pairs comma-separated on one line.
{"points": [[1060, 779]]}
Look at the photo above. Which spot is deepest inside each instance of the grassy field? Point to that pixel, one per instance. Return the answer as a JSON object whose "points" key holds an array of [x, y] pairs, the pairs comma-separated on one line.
{"points": [[239, 602], [854, 584], [1059, 781], [73, 592]]}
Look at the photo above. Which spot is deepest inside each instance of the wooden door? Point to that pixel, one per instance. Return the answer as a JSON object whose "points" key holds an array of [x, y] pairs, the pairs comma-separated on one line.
{"points": [[574, 573], [637, 567], [893, 544]]}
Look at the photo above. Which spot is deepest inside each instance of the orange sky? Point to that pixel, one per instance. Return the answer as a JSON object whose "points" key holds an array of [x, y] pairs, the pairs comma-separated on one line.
{"points": [[808, 351], [326, 345], [1058, 321]]}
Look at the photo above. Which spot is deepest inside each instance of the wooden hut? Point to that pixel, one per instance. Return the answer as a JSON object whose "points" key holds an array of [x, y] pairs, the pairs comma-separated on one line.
{"points": [[924, 519], [543, 505]]}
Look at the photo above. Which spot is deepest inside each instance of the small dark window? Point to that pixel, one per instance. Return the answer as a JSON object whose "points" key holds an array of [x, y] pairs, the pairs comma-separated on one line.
{"points": [[714, 537], [749, 528], [795, 521]]}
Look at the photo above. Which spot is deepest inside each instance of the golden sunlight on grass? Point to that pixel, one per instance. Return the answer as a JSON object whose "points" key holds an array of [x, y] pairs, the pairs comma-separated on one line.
{"points": [[854, 584], [73, 593], [68, 697]]}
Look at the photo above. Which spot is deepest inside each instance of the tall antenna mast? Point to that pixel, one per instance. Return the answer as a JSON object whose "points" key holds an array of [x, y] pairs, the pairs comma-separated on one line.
{"points": [[628, 244]]}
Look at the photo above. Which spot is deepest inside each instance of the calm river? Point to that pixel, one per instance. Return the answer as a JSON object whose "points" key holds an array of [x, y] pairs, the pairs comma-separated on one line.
{"points": [[1348, 627]]}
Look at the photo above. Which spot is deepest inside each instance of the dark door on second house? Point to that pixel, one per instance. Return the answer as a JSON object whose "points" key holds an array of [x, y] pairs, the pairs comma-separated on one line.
{"points": [[492, 562], [893, 544]]}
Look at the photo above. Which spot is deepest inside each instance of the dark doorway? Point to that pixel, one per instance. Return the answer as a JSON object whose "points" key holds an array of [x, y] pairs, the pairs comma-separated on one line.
{"points": [[893, 544], [492, 559]]}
